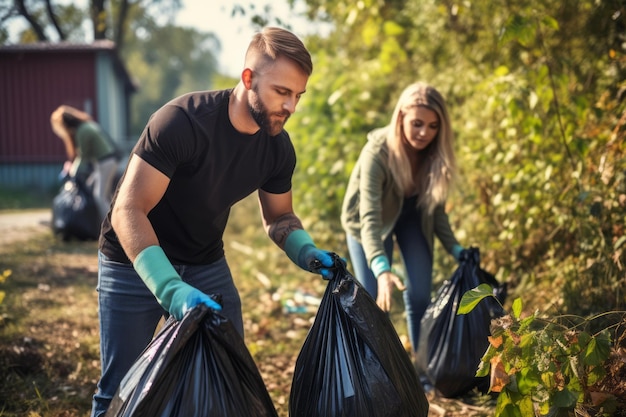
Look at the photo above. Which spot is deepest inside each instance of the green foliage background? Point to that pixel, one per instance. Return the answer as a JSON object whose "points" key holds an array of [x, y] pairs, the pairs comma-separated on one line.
{"points": [[536, 91], [536, 94]]}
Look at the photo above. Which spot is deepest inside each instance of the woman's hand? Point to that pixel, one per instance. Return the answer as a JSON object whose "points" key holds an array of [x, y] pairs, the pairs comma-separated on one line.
{"points": [[386, 282]]}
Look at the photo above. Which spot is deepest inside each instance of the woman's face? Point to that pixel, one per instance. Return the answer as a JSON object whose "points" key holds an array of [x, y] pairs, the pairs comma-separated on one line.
{"points": [[420, 126]]}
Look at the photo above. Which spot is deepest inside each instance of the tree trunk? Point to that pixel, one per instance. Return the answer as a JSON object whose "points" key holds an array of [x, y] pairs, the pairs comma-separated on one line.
{"points": [[99, 19], [53, 19], [37, 28], [120, 24]]}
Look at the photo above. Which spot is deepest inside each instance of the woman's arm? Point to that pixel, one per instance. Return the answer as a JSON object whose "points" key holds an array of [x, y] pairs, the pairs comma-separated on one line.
{"points": [[56, 121]]}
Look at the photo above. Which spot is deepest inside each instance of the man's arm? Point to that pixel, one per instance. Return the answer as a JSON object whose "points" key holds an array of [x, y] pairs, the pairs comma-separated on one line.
{"points": [[142, 188], [285, 229], [279, 219]]}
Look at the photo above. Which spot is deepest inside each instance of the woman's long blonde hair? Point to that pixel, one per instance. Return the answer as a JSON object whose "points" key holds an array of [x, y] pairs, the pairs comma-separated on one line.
{"points": [[437, 164]]}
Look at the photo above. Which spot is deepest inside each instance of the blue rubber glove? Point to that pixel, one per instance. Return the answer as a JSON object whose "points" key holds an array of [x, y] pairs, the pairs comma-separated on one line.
{"points": [[302, 251], [174, 295]]}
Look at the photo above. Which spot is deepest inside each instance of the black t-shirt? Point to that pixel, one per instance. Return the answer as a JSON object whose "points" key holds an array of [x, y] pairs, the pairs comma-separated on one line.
{"points": [[211, 166]]}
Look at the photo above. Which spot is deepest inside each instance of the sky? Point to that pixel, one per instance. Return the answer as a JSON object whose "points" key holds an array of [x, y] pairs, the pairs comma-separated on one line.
{"points": [[214, 16], [234, 33]]}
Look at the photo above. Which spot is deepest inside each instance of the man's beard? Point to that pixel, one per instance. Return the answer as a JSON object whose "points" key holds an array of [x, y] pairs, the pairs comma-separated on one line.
{"points": [[261, 116]]}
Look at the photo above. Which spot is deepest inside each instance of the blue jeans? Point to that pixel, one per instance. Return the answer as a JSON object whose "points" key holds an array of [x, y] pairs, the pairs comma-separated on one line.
{"points": [[418, 264], [129, 315]]}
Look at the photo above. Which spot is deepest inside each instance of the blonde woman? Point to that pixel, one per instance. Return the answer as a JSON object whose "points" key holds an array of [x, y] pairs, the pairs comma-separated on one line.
{"points": [[398, 188], [91, 154]]}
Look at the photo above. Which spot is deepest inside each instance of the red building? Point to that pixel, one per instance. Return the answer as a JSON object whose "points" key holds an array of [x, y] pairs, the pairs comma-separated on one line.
{"points": [[34, 80]]}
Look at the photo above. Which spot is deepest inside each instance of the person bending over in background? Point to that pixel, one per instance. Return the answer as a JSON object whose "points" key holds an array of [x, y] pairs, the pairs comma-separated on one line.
{"points": [[161, 247], [398, 188], [91, 154]]}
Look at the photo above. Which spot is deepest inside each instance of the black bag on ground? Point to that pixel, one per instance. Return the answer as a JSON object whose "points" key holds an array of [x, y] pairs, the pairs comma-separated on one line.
{"points": [[352, 362], [75, 212], [451, 345], [196, 367]]}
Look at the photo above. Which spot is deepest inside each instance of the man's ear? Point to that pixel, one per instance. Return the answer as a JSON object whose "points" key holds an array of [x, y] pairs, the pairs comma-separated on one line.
{"points": [[246, 78]]}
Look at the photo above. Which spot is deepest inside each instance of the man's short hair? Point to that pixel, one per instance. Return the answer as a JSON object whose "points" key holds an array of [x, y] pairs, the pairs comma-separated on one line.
{"points": [[272, 43]]}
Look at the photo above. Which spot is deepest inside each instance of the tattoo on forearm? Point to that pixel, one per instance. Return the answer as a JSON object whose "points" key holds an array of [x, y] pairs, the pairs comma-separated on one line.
{"points": [[282, 226]]}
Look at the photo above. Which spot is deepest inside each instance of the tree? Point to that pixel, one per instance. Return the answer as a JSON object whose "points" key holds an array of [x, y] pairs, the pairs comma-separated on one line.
{"points": [[52, 22], [169, 61], [535, 92]]}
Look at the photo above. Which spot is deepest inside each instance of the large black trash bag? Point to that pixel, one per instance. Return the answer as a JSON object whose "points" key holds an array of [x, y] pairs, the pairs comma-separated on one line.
{"points": [[75, 213], [451, 345], [196, 367], [352, 362]]}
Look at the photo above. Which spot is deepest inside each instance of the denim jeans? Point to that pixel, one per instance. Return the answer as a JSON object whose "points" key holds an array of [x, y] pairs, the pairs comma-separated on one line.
{"points": [[129, 315], [418, 264]]}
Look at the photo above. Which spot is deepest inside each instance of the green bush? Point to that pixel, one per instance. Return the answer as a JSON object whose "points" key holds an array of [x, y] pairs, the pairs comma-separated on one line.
{"points": [[549, 367]]}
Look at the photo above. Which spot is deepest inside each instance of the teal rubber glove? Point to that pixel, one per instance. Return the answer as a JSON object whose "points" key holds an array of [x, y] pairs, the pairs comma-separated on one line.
{"points": [[172, 293], [456, 252], [379, 265], [302, 251]]}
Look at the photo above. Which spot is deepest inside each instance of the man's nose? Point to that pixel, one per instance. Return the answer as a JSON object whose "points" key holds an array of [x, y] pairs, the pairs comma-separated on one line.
{"points": [[290, 104]]}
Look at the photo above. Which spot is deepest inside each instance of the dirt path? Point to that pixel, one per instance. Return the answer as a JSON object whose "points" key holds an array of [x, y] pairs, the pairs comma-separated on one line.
{"points": [[17, 226], [75, 332]]}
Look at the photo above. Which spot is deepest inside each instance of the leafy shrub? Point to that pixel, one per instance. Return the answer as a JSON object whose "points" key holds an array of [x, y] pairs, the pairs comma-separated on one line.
{"points": [[549, 367]]}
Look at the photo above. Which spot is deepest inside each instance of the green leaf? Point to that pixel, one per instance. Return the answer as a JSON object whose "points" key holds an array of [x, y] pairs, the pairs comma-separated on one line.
{"points": [[528, 339], [584, 339], [595, 375], [598, 349], [564, 399], [483, 369], [471, 298], [526, 406], [485, 362], [517, 308], [501, 71], [527, 381], [526, 322], [519, 29], [392, 28], [550, 22], [509, 407]]}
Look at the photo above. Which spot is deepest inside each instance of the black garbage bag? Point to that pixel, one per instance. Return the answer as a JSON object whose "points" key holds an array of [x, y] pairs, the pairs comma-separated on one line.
{"points": [[451, 345], [196, 367], [352, 362], [75, 212]]}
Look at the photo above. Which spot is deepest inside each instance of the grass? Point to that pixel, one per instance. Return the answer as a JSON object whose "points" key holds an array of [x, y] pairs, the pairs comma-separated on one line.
{"points": [[48, 341], [49, 354], [25, 198]]}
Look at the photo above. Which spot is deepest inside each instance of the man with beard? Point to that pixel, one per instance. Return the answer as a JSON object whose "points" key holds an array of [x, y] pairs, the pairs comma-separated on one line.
{"points": [[161, 248]]}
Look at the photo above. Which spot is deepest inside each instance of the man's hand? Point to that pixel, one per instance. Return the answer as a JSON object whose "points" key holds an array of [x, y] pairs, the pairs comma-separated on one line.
{"points": [[174, 295], [193, 299], [386, 281], [321, 261]]}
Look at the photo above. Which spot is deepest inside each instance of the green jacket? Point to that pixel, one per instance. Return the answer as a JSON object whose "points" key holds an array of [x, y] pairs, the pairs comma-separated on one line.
{"points": [[92, 144], [373, 203]]}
